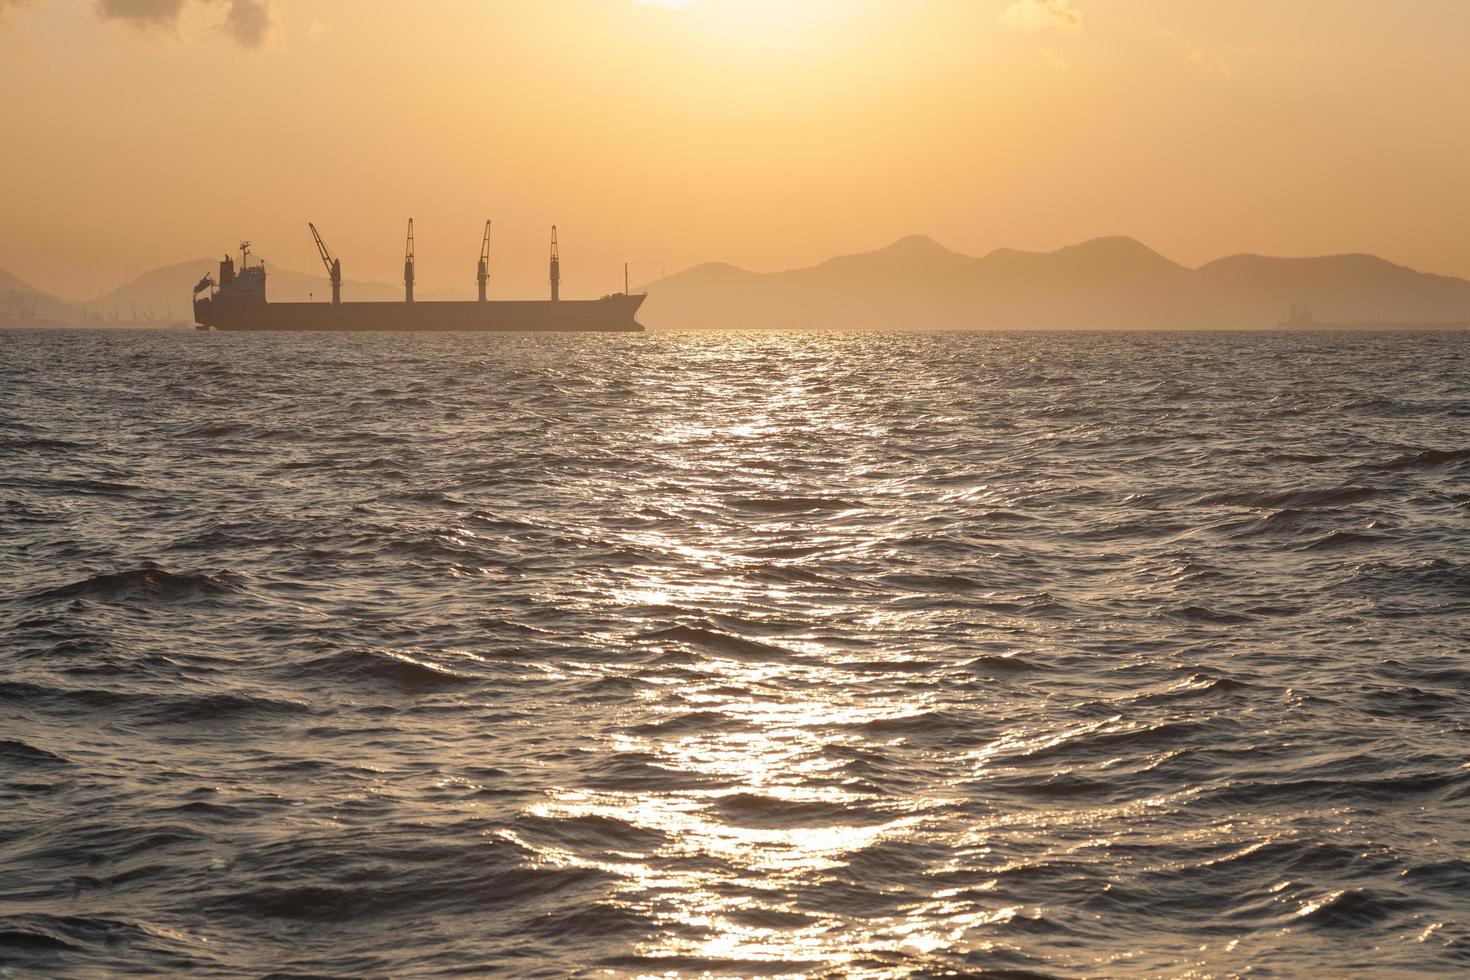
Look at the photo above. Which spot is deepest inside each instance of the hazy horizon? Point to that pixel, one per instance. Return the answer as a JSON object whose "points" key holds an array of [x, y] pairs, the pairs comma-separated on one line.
{"points": [[763, 134], [463, 287], [1113, 282]]}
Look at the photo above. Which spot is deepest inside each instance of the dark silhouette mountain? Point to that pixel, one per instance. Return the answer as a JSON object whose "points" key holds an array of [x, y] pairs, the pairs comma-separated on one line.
{"points": [[1338, 287], [915, 283], [1106, 283], [20, 303]]}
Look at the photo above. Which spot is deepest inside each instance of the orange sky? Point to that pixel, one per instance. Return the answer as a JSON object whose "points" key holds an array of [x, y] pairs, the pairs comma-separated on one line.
{"points": [[768, 133]]}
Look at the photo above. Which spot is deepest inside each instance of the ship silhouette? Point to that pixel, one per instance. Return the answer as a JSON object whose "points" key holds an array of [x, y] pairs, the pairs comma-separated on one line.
{"points": [[236, 300]]}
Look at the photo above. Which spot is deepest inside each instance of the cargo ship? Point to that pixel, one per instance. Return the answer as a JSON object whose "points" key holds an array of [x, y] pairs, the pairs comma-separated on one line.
{"points": [[237, 301]]}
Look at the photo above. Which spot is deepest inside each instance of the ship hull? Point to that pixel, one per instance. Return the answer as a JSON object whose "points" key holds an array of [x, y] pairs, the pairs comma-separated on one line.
{"points": [[610, 314]]}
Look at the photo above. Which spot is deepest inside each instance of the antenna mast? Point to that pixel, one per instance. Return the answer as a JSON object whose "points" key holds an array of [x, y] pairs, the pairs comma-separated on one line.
{"points": [[408, 266], [484, 274], [555, 267]]}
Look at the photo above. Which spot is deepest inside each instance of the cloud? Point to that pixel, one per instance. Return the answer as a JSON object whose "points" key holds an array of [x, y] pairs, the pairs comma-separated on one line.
{"points": [[143, 13], [1040, 15], [1212, 61], [1199, 56], [250, 23], [1056, 60]]}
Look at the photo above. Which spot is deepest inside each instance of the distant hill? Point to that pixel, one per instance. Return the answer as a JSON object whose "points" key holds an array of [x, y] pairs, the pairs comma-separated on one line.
{"points": [[1106, 283], [20, 302], [915, 283]]}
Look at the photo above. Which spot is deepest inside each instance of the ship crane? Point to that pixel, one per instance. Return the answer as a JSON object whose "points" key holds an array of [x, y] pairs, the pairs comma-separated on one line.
{"points": [[555, 267], [408, 266], [334, 266], [483, 277]]}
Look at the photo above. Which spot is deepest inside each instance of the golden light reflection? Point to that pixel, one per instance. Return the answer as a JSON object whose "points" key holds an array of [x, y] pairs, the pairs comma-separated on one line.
{"points": [[742, 816], [773, 752]]}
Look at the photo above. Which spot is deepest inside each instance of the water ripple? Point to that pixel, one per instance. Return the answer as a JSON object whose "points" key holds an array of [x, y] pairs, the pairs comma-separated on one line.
{"points": [[734, 654]]}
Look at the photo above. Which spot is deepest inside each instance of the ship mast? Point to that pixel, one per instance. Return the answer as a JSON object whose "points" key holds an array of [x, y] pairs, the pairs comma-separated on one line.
{"points": [[555, 267], [334, 266], [408, 266], [484, 274]]}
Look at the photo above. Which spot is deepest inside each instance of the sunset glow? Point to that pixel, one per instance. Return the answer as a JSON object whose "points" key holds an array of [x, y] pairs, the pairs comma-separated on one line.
{"points": [[765, 133], [734, 488]]}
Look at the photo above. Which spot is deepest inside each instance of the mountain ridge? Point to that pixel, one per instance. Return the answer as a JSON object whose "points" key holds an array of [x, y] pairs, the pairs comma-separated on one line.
{"points": [[20, 299], [1111, 282]]}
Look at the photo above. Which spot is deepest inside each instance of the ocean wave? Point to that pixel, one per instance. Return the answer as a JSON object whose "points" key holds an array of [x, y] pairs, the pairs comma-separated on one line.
{"points": [[395, 668], [1344, 540], [716, 642], [906, 654], [759, 810], [39, 444], [1351, 909], [1196, 686], [792, 505], [643, 772], [147, 707], [788, 574], [915, 582], [149, 582], [581, 830], [1320, 791], [1290, 500], [690, 723], [1005, 663], [18, 753], [1426, 459], [1092, 739], [1201, 614]]}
